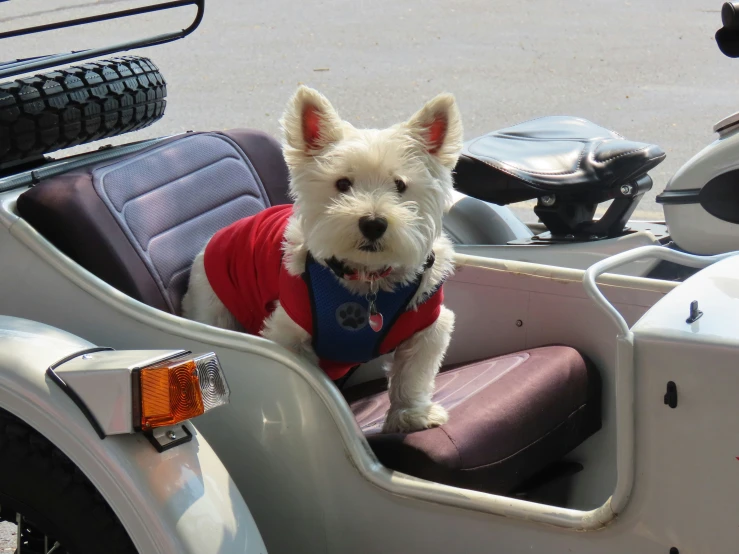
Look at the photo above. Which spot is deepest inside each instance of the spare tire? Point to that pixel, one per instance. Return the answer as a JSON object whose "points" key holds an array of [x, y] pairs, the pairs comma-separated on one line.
{"points": [[77, 105]]}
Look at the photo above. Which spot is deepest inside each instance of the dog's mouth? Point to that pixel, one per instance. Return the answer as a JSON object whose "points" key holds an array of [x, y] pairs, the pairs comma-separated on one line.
{"points": [[370, 247]]}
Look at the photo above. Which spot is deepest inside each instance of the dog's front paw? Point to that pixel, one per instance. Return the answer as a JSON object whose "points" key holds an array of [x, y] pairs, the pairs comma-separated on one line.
{"points": [[405, 420]]}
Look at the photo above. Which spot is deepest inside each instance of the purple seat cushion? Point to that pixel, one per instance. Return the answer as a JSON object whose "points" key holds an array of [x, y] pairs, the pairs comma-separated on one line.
{"points": [[509, 418], [137, 221]]}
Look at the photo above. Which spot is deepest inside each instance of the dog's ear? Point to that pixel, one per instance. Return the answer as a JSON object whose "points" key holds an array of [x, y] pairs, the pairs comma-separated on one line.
{"points": [[310, 122], [438, 126]]}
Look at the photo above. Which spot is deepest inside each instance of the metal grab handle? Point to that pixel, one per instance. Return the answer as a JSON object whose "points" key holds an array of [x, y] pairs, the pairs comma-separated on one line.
{"points": [[10, 69], [661, 252]]}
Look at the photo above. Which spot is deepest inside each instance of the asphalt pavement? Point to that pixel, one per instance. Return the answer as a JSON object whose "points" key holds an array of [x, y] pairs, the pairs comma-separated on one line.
{"points": [[649, 69], [7, 537]]}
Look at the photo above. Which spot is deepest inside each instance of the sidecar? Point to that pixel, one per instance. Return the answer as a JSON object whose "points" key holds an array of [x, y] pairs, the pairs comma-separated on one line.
{"points": [[580, 420], [590, 411]]}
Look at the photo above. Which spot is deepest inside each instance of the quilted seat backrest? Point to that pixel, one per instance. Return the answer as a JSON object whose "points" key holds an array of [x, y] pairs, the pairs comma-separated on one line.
{"points": [[166, 202], [171, 200]]}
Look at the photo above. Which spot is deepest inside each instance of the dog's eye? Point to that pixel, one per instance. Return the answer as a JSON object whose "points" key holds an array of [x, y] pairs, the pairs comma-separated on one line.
{"points": [[343, 184], [400, 185]]}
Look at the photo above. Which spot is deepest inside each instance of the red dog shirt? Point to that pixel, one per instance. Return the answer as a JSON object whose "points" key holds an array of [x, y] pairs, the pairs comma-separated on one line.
{"points": [[243, 263]]}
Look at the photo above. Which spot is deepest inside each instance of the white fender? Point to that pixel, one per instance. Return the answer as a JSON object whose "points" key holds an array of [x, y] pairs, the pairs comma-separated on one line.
{"points": [[692, 228], [179, 501]]}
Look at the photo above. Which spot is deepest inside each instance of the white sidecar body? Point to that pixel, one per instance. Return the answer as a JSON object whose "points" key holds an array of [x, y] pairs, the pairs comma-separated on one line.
{"points": [[656, 472]]}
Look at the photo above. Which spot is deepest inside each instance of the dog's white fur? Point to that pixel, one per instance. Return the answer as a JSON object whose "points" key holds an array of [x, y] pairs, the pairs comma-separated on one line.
{"points": [[422, 153]]}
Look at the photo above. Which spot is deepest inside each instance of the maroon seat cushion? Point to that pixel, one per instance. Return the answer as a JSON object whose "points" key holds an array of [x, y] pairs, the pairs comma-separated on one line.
{"points": [[509, 418]]}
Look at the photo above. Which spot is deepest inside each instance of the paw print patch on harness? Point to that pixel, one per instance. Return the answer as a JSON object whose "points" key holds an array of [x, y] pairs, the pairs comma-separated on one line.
{"points": [[351, 316]]}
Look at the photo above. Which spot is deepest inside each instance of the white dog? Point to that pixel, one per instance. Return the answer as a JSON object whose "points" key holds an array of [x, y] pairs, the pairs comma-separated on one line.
{"points": [[354, 269]]}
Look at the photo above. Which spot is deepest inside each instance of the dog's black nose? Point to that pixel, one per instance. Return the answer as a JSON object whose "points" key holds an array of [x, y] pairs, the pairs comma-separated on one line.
{"points": [[372, 227]]}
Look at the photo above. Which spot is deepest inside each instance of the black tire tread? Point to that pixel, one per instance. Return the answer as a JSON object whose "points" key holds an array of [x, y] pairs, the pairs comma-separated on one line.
{"points": [[78, 104], [37, 474]]}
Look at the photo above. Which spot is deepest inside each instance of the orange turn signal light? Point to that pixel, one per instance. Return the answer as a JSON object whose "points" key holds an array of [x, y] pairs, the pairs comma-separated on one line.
{"points": [[179, 389]]}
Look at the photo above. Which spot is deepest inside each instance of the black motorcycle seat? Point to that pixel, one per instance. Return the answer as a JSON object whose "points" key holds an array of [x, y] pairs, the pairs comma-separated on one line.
{"points": [[551, 155]]}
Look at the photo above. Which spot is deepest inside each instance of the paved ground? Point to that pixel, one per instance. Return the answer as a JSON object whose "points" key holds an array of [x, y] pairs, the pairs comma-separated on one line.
{"points": [[7, 537], [649, 69]]}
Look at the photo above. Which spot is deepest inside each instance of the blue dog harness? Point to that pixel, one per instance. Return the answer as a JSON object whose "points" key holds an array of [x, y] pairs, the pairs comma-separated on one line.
{"points": [[341, 329]]}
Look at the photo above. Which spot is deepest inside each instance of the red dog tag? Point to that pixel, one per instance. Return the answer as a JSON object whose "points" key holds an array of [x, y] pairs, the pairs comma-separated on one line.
{"points": [[375, 321]]}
